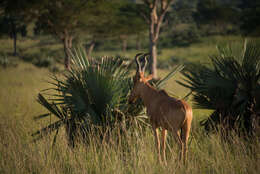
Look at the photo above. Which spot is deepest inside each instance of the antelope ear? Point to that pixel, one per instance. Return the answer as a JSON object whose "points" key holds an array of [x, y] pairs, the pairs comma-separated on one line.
{"points": [[148, 78]]}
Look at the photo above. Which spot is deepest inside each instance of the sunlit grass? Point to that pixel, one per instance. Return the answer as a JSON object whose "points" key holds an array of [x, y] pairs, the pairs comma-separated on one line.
{"points": [[132, 154]]}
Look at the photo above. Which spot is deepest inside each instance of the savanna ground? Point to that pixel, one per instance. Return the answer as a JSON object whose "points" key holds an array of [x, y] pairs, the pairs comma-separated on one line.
{"points": [[20, 85]]}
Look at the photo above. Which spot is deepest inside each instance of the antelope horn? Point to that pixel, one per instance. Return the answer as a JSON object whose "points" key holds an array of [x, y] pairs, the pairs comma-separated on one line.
{"points": [[145, 61], [137, 61]]}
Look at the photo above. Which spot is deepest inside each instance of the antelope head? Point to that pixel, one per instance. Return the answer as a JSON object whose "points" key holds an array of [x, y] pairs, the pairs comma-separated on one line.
{"points": [[139, 78]]}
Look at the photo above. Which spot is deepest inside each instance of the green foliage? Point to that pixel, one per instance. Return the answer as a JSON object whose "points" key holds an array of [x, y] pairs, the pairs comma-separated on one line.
{"points": [[216, 12], [58, 17], [91, 94], [11, 26], [168, 63], [129, 21], [231, 88], [181, 36], [217, 17], [43, 61], [40, 59], [13, 19], [251, 14], [159, 84]]}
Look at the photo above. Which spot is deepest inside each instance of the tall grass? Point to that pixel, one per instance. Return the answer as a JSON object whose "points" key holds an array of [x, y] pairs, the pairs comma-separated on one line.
{"points": [[134, 153]]}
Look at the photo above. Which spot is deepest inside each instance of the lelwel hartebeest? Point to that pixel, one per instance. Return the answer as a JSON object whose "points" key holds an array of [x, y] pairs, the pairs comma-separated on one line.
{"points": [[163, 111]]}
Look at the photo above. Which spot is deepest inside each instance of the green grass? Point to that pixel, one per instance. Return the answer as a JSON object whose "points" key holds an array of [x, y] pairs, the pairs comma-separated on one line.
{"points": [[132, 154]]}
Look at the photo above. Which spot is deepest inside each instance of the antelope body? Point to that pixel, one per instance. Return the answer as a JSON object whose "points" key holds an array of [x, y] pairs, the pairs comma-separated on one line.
{"points": [[164, 111]]}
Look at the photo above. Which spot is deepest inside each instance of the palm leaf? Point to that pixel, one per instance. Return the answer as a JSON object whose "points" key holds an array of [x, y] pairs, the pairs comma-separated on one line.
{"points": [[51, 107], [229, 87], [50, 128], [159, 84]]}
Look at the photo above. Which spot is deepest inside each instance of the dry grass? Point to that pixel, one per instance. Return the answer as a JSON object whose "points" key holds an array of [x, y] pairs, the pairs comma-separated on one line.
{"points": [[135, 154]]}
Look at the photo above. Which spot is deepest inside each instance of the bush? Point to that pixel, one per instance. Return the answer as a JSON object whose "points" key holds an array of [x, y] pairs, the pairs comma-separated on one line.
{"points": [[231, 88], [43, 61], [6, 62], [186, 36], [180, 37], [168, 63]]}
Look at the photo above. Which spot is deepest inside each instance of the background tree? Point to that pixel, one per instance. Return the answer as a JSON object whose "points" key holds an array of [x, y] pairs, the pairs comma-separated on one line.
{"points": [[250, 14], [129, 22], [64, 20], [154, 12], [218, 14], [116, 20], [180, 28], [13, 19]]}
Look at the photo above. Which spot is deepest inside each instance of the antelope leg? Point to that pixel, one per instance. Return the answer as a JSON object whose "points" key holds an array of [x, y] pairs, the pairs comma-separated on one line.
{"points": [[157, 142], [177, 137], [164, 136]]}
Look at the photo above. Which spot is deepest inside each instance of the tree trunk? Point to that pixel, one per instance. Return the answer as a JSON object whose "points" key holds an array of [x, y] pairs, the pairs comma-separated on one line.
{"points": [[14, 36], [153, 59], [123, 38], [91, 48], [124, 45], [138, 42], [15, 45], [67, 44], [155, 20], [153, 36]]}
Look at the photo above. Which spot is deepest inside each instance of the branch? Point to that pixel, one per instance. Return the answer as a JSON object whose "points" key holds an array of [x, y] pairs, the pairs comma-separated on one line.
{"points": [[145, 17], [161, 17], [147, 2], [155, 3]]}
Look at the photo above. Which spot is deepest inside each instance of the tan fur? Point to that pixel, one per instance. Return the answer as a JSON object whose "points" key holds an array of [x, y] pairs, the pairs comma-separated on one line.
{"points": [[165, 112]]}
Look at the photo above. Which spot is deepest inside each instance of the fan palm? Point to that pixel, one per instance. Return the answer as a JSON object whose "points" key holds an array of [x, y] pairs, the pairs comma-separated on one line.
{"points": [[231, 88], [92, 94]]}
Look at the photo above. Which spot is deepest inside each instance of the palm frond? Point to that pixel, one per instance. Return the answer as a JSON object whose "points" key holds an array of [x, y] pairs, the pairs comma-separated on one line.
{"points": [[159, 84], [51, 107], [50, 128], [229, 86], [91, 93]]}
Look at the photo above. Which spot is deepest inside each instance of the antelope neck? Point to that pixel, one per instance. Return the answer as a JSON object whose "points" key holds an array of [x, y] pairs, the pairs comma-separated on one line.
{"points": [[148, 94]]}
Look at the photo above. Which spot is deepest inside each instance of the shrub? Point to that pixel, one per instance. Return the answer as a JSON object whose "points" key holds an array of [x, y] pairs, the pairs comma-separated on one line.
{"points": [[168, 63], [180, 37], [231, 88], [43, 61], [6, 62]]}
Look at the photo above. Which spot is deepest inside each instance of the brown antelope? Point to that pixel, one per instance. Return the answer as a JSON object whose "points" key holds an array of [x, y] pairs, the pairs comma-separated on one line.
{"points": [[164, 111]]}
